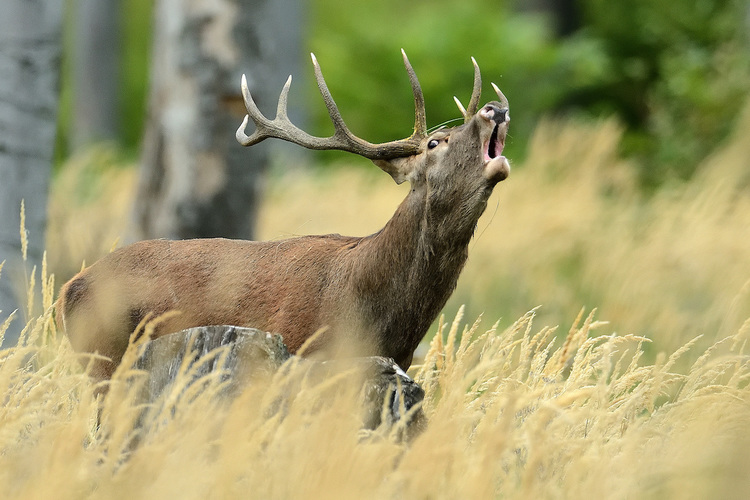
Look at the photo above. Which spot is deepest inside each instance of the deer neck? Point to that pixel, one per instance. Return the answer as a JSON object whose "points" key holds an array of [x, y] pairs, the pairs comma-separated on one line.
{"points": [[407, 271], [420, 239]]}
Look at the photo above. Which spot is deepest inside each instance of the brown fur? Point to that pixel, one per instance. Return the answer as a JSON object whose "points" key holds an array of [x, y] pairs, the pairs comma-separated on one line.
{"points": [[380, 292]]}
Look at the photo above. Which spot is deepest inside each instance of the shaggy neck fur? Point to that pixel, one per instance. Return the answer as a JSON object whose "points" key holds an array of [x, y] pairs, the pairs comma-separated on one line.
{"points": [[406, 272]]}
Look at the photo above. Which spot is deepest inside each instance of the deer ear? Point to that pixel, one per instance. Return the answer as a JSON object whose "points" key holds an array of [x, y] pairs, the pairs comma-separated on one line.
{"points": [[398, 168]]}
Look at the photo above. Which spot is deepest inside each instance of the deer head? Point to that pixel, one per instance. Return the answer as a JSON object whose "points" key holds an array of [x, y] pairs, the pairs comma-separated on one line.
{"points": [[403, 275], [470, 153]]}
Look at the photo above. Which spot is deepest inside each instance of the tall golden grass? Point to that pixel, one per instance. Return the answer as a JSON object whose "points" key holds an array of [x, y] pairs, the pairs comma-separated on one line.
{"points": [[569, 228], [509, 417], [520, 410]]}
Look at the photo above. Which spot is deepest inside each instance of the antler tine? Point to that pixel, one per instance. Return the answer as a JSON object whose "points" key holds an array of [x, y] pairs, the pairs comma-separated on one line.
{"points": [[283, 98], [420, 116], [333, 109], [503, 99], [476, 93], [460, 107], [252, 109]]}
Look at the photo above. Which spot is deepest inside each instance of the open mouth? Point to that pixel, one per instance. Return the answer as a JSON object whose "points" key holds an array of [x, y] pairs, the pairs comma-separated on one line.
{"points": [[494, 146], [496, 166]]}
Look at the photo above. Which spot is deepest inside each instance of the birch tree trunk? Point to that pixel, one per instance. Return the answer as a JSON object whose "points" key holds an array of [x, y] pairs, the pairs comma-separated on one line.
{"points": [[196, 180], [30, 48]]}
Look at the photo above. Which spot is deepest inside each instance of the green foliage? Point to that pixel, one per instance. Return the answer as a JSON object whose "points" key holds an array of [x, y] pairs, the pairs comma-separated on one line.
{"points": [[136, 43], [358, 46], [66, 92], [135, 34], [676, 73]]}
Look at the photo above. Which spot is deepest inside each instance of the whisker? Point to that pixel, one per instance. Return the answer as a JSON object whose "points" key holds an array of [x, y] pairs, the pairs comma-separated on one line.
{"points": [[442, 125]]}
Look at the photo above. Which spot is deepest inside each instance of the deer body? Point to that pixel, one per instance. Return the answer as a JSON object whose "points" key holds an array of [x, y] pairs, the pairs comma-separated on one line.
{"points": [[379, 293]]}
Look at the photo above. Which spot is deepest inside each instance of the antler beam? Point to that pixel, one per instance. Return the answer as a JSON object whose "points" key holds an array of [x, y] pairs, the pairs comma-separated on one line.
{"points": [[342, 139]]}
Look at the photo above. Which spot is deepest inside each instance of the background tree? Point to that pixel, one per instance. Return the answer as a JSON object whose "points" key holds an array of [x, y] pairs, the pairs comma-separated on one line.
{"points": [[30, 47], [196, 180], [96, 71]]}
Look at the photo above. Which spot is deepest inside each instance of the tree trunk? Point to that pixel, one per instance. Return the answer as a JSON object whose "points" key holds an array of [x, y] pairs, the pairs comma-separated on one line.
{"points": [[196, 180], [95, 72], [30, 48]]}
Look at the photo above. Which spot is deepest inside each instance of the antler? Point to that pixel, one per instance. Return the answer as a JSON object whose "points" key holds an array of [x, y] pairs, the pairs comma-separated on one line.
{"points": [[476, 93], [342, 139]]}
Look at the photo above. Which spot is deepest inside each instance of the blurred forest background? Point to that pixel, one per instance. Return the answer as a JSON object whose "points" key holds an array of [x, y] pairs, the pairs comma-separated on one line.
{"points": [[629, 173], [674, 74]]}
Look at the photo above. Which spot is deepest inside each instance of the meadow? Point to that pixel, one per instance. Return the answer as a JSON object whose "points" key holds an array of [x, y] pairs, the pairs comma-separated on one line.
{"points": [[642, 391]]}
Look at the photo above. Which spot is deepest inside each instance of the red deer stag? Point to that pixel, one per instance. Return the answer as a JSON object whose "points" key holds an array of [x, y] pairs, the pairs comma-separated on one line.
{"points": [[382, 291]]}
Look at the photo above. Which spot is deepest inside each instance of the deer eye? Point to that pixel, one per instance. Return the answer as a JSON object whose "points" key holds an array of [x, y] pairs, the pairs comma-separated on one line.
{"points": [[433, 144]]}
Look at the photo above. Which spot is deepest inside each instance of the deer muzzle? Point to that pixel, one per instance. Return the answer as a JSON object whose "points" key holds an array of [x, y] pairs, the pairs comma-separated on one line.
{"points": [[496, 166]]}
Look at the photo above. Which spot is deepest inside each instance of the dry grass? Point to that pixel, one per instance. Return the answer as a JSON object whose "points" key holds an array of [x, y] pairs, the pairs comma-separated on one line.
{"points": [[518, 411], [569, 229], [89, 209], [509, 416]]}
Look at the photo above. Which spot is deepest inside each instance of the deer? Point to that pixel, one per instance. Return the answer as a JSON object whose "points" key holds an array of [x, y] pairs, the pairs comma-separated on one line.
{"points": [[380, 292]]}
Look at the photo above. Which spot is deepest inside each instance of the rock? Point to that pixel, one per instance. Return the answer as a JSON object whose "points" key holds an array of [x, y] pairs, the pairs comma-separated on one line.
{"points": [[391, 400], [249, 353]]}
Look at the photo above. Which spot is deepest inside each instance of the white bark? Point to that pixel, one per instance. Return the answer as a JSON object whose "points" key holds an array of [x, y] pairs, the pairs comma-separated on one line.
{"points": [[30, 45], [196, 180]]}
